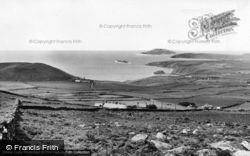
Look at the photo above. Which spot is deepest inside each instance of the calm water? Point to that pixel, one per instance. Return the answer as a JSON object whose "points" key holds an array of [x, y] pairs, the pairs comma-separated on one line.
{"points": [[99, 65]]}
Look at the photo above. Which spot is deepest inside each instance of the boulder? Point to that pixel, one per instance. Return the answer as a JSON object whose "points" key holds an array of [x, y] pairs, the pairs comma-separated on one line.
{"points": [[223, 145], [209, 125], [5, 130], [139, 137], [160, 136], [185, 131], [195, 132], [81, 125], [162, 146], [246, 145]]}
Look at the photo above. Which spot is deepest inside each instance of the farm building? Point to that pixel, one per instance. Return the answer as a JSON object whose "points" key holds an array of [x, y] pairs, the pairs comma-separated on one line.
{"points": [[111, 105]]}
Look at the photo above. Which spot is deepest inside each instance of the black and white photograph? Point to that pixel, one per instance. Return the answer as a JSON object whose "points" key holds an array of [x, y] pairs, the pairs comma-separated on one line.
{"points": [[125, 77]]}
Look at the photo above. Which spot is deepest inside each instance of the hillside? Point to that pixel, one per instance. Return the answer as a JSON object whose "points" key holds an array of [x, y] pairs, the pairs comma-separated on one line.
{"points": [[205, 56], [192, 67], [159, 52], [17, 71]]}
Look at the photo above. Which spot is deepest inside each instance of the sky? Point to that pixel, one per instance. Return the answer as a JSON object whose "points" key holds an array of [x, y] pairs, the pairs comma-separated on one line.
{"points": [[48, 25]]}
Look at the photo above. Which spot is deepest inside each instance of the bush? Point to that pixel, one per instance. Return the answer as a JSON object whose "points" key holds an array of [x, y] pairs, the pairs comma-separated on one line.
{"points": [[132, 107], [242, 110], [186, 104], [151, 106]]}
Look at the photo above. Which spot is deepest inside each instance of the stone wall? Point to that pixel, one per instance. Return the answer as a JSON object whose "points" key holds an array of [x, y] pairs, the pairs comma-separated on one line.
{"points": [[8, 124]]}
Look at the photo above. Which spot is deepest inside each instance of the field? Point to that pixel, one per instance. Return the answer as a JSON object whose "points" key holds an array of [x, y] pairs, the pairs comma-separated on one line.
{"points": [[106, 132]]}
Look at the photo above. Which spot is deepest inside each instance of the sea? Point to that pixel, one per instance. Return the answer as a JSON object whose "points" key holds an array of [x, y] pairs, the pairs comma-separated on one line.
{"points": [[97, 65]]}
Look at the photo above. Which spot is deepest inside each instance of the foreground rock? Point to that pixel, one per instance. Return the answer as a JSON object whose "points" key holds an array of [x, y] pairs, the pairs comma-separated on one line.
{"points": [[139, 138], [223, 145], [160, 136], [246, 145], [178, 150], [162, 146]]}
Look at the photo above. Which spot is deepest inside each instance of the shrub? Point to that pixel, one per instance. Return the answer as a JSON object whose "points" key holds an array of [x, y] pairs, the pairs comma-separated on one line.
{"points": [[151, 106], [186, 104], [132, 107]]}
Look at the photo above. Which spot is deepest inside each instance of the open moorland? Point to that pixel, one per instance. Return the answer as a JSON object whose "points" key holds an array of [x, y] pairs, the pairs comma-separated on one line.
{"points": [[65, 109]]}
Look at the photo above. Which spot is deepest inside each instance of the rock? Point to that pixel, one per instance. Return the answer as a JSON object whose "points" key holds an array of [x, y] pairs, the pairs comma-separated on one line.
{"points": [[97, 124], [82, 125], [241, 153], [1, 136], [179, 150], [162, 146], [5, 130], [131, 133], [246, 145], [159, 72], [160, 136], [185, 131], [117, 124], [223, 145], [219, 130], [215, 135], [209, 125], [169, 138], [206, 152], [195, 132], [139, 137]]}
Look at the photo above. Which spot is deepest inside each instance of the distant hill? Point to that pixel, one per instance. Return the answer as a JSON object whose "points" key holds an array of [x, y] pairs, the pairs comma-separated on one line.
{"points": [[205, 56], [159, 52], [16, 71]]}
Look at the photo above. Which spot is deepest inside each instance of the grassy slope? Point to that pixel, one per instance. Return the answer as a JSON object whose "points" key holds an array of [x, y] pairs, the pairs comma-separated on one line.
{"points": [[205, 56], [229, 87], [31, 72]]}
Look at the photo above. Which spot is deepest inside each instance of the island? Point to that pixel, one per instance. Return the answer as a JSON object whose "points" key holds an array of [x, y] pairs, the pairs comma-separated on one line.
{"points": [[122, 61], [159, 72]]}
